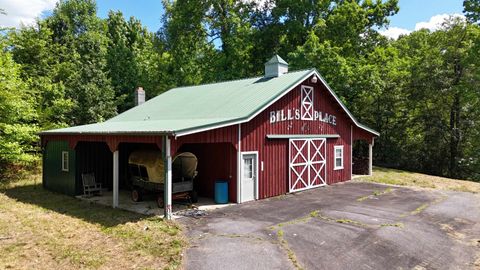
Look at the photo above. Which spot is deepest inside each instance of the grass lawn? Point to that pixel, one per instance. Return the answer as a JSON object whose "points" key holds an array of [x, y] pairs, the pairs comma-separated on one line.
{"points": [[40, 229], [404, 178]]}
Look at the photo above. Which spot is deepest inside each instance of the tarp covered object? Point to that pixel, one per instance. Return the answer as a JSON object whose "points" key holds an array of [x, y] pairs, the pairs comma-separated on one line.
{"points": [[183, 165]]}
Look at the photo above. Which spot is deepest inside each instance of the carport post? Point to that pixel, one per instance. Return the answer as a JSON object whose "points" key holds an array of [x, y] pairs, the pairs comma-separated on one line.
{"points": [[167, 193], [115, 179], [370, 158]]}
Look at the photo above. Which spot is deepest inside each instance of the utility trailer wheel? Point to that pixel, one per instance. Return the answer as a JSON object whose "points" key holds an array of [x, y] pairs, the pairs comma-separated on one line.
{"points": [[160, 201], [193, 196], [136, 195]]}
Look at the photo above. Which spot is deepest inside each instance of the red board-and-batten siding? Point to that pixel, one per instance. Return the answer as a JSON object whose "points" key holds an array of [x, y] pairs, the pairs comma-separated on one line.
{"points": [[273, 180], [221, 135]]}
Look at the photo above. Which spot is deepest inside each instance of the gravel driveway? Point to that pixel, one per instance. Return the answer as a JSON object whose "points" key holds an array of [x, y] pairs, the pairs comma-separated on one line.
{"points": [[350, 225]]}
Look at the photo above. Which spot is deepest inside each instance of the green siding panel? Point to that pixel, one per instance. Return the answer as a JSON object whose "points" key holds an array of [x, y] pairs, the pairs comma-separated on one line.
{"points": [[53, 177]]}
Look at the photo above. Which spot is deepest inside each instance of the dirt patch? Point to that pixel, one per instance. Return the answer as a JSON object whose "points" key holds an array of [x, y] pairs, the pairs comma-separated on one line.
{"points": [[452, 232], [375, 194], [404, 178]]}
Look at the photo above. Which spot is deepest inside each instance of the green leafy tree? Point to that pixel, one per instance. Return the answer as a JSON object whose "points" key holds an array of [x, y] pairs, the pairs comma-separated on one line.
{"points": [[338, 38], [81, 37], [18, 139], [184, 37], [443, 99], [37, 55], [229, 22], [471, 8], [133, 60]]}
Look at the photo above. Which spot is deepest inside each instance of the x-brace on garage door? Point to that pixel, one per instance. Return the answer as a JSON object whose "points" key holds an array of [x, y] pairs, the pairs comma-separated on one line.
{"points": [[307, 163]]}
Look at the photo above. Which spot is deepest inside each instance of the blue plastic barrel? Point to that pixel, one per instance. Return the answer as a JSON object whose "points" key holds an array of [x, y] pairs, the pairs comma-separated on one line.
{"points": [[221, 191]]}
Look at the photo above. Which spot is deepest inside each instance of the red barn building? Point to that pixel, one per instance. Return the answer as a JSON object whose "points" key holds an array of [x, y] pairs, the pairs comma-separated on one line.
{"points": [[279, 133]]}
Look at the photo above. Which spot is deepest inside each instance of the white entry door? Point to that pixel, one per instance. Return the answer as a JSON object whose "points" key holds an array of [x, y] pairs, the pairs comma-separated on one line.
{"points": [[307, 163], [248, 184]]}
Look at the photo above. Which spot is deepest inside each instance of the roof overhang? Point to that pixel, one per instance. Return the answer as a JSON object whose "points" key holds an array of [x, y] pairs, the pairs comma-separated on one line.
{"points": [[106, 133]]}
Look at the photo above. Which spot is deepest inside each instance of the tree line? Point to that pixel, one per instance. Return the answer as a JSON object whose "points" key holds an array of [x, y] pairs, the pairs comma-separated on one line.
{"points": [[421, 91]]}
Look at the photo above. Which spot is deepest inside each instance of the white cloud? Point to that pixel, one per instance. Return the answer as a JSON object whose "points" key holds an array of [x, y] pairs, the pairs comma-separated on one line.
{"points": [[23, 11], [434, 24], [436, 21], [394, 32]]}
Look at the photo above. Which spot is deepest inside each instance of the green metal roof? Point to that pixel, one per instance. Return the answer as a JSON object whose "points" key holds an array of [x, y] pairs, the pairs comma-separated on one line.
{"points": [[185, 110]]}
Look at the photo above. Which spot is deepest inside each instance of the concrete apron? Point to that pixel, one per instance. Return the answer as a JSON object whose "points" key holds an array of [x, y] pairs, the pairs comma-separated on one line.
{"points": [[149, 206]]}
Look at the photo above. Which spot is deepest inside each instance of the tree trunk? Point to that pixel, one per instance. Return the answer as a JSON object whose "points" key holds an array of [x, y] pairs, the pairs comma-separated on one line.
{"points": [[454, 135], [455, 122]]}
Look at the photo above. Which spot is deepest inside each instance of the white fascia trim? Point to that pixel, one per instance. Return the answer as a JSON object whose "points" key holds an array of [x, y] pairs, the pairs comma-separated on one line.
{"points": [[343, 106], [239, 121]]}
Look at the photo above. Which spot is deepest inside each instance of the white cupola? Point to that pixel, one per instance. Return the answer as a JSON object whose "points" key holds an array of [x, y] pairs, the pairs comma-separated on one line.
{"points": [[275, 67]]}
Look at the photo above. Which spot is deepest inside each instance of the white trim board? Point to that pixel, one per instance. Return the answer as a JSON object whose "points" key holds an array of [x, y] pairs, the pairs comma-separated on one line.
{"points": [[65, 158], [302, 136], [335, 167], [307, 163]]}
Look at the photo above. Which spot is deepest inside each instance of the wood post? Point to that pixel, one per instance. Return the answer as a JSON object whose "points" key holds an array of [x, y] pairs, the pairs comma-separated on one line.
{"points": [[239, 164], [370, 158], [167, 193], [115, 179]]}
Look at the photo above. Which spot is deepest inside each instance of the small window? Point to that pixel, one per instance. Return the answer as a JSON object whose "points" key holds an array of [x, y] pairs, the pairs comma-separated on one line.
{"points": [[338, 157], [65, 161]]}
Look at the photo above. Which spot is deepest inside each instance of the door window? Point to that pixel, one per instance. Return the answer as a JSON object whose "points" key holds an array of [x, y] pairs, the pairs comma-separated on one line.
{"points": [[248, 168]]}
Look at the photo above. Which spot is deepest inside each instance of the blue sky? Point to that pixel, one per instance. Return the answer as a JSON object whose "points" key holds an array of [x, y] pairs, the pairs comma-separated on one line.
{"points": [[411, 11], [414, 11], [149, 12], [413, 14]]}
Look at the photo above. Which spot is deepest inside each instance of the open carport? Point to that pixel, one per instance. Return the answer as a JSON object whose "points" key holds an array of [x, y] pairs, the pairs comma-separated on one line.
{"points": [[344, 226]]}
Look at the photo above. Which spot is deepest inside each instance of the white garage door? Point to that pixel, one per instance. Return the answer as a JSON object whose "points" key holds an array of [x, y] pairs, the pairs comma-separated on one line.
{"points": [[307, 163]]}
